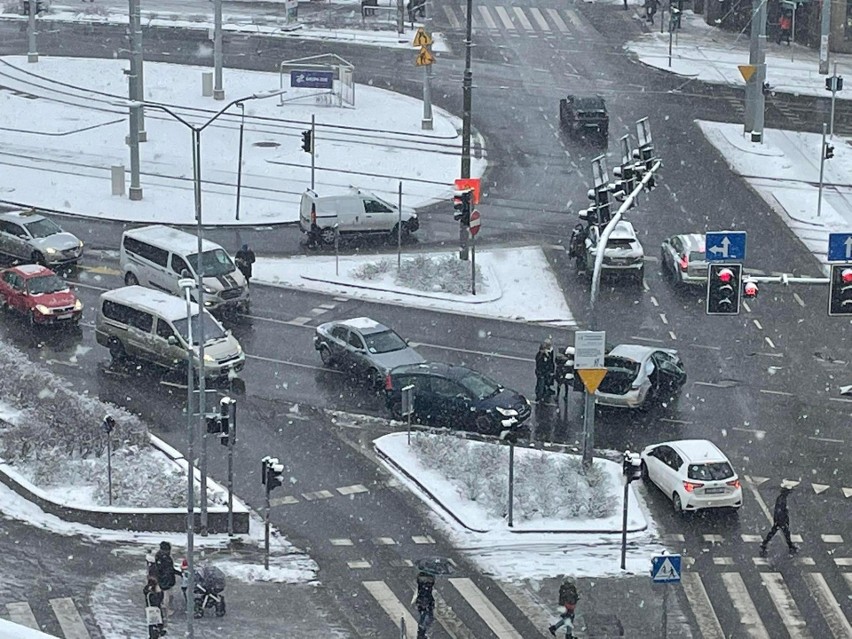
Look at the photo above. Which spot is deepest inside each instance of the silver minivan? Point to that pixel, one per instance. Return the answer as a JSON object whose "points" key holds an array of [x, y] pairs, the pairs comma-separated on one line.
{"points": [[141, 323], [158, 256]]}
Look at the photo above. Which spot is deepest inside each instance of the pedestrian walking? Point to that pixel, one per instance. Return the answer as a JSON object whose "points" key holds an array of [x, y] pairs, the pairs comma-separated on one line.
{"points": [[545, 369], [164, 569], [154, 608], [785, 27], [780, 521], [565, 371], [651, 9], [424, 600], [244, 259], [184, 580], [568, 598], [577, 246]]}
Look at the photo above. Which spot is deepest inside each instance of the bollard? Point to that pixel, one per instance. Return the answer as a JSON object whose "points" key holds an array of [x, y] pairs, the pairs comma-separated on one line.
{"points": [[117, 175], [207, 84]]}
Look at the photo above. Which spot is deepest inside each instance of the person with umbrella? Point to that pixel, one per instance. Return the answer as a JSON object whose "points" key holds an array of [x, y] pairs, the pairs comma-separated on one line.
{"points": [[424, 600]]}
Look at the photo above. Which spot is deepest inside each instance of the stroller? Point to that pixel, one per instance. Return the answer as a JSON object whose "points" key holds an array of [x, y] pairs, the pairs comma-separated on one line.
{"points": [[209, 584]]}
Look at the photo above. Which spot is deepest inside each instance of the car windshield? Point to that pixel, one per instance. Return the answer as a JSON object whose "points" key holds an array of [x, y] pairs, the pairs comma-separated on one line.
{"points": [[212, 330], [384, 342], [46, 284], [213, 263], [712, 471], [619, 242], [43, 228], [697, 256], [480, 386]]}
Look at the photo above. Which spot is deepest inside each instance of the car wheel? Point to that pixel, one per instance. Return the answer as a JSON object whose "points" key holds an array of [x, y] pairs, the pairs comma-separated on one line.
{"points": [[395, 232], [375, 379], [38, 258], [483, 425], [31, 318], [645, 476], [326, 235], [677, 505], [130, 279], [326, 356], [116, 350]]}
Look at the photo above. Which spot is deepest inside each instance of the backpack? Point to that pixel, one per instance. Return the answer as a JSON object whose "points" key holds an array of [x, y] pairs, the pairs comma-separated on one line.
{"points": [[568, 593]]}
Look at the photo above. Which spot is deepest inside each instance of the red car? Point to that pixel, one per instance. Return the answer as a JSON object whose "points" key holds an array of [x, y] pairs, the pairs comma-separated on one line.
{"points": [[39, 294]]}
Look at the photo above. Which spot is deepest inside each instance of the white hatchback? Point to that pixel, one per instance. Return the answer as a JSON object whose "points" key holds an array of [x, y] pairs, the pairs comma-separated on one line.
{"points": [[693, 473]]}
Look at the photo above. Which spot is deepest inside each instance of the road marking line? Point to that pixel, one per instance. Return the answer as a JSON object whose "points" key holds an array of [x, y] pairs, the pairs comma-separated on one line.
{"points": [[283, 501], [319, 494], [757, 433], [341, 542], [757, 323], [422, 539], [504, 18], [848, 577], [846, 491], [352, 490], [537, 15], [843, 561], [301, 320], [489, 21], [669, 420], [747, 307], [272, 360], [359, 564], [805, 561], [390, 604], [451, 17], [744, 605], [672, 335], [769, 341], [799, 300], [839, 399], [714, 539], [69, 619], [751, 539], [758, 498], [827, 439], [775, 392], [21, 614], [317, 311], [654, 301], [832, 539], [723, 561], [384, 541], [663, 318], [828, 606], [701, 606], [712, 348], [340, 299], [557, 20], [493, 618], [525, 23], [647, 339], [784, 604], [327, 306]]}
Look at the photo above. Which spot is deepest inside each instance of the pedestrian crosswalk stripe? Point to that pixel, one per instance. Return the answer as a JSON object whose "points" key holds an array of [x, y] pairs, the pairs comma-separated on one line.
{"points": [[751, 538], [343, 541], [359, 564], [504, 18], [69, 619], [828, 606], [353, 489], [784, 604], [744, 605], [714, 539], [848, 577], [575, 19], [384, 541], [832, 539], [451, 17], [557, 20], [21, 614], [539, 18], [390, 604], [723, 561], [493, 618], [843, 561], [489, 21], [696, 594], [525, 23], [422, 539]]}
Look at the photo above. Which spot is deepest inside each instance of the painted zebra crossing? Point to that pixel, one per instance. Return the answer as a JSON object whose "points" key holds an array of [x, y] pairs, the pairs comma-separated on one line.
{"points": [[64, 610], [520, 20]]}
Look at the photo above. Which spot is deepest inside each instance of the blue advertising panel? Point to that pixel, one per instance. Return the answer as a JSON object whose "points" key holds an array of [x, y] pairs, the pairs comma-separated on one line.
{"points": [[312, 79]]}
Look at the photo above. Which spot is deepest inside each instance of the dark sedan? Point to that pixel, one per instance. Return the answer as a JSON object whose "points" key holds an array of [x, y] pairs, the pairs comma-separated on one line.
{"points": [[456, 397]]}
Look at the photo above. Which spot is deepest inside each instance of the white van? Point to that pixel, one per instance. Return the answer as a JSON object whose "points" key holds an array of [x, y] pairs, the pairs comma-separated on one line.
{"points": [[141, 323], [354, 212], [155, 256]]}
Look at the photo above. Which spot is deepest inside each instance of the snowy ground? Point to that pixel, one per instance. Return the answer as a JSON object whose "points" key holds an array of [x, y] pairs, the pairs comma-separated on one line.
{"points": [[508, 555], [517, 284], [87, 123]]}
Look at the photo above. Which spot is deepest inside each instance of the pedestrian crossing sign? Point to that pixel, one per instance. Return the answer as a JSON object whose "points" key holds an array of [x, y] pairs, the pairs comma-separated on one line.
{"points": [[665, 569], [424, 58]]}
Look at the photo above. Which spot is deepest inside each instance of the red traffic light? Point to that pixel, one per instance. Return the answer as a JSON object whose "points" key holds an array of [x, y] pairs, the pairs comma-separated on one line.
{"points": [[750, 289], [846, 276], [726, 276]]}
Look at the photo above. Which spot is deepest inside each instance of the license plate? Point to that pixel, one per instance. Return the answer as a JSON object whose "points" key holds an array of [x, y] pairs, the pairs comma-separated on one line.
{"points": [[713, 491], [64, 316]]}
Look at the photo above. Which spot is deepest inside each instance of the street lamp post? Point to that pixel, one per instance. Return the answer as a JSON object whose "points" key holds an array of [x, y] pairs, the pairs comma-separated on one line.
{"points": [[108, 426], [187, 284]]}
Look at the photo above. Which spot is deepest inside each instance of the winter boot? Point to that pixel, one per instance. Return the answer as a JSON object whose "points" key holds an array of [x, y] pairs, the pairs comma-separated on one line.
{"points": [[552, 630], [763, 551], [794, 550]]}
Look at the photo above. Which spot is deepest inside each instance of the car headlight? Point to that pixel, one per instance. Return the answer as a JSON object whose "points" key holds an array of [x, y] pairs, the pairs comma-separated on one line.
{"points": [[78, 305], [506, 412], [208, 290], [79, 244], [51, 251], [41, 308], [208, 358]]}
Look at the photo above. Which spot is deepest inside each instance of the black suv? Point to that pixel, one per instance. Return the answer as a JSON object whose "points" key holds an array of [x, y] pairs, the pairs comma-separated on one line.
{"points": [[456, 397], [584, 114]]}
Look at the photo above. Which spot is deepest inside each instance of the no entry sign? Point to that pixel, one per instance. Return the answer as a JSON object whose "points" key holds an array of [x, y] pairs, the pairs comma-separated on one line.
{"points": [[475, 222]]}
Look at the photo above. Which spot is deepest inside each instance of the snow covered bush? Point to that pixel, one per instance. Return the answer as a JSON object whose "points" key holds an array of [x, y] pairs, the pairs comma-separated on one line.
{"points": [[372, 270], [444, 274], [547, 485]]}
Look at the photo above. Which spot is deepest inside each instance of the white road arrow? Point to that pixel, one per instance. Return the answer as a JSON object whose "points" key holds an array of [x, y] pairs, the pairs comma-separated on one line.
{"points": [[846, 390], [725, 244], [848, 247], [819, 488]]}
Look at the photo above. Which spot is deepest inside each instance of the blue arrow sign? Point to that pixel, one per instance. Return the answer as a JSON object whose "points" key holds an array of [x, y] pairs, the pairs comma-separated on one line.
{"points": [[665, 569], [721, 246], [840, 247]]}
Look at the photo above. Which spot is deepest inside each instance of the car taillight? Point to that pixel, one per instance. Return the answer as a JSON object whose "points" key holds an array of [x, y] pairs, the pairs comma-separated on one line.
{"points": [[388, 383], [689, 486], [735, 483], [684, 262]]}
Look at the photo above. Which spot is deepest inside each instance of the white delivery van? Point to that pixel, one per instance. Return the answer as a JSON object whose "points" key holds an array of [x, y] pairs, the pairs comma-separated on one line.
{"points": [[156, 256], [357, 211], [141, 323]]}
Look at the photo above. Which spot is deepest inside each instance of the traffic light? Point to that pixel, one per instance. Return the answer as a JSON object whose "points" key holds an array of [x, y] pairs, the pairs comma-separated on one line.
{"points": [[749, 288], [624, 186], [645, 155], [600, 203], [214, 426], [723, 289], [834, 83], [828, 151], [225, 426], [462, 201], [306, 141], [273, 473], [840, 290]]}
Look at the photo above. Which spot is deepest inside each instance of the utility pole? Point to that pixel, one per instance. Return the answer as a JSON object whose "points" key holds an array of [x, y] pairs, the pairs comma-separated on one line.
{"points": [[822, 154], [138, 93], [757, 58], [218, 91], [467, 87], [824, 31], [32, 53], [133, 93]]}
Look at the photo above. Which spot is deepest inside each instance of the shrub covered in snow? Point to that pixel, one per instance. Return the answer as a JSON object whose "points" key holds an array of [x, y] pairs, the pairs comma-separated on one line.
{"points": [[436, 274], [546, 485]]}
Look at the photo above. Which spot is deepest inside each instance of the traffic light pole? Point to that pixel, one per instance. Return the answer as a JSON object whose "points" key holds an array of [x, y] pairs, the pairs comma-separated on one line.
{"points": [[232, 440], [821, 167], [467, 99], [313, 147]]}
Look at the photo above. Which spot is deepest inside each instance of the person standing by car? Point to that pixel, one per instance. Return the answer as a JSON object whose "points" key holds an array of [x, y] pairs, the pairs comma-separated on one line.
{"points": [[545, 369], [244, 259], [164, 570], [780, 521], [424, 600]]}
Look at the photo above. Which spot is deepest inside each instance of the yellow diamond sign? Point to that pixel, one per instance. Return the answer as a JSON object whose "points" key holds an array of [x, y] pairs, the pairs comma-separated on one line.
{"points": [[591, 378]]}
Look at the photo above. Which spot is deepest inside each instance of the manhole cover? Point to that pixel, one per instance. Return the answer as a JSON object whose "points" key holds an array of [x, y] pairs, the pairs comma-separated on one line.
{"points": [[266, 144]]}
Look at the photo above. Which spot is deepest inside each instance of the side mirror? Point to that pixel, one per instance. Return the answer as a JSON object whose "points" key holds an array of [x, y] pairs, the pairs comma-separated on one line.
{"points": [[172, 340]]}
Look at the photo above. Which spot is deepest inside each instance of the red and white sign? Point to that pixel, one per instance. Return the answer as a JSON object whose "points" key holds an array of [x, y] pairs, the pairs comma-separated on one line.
{"points": [[475, 222], [462, 184]]}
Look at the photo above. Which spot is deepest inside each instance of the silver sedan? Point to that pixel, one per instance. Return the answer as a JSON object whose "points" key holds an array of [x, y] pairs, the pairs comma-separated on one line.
{"points": [[683, 258]]}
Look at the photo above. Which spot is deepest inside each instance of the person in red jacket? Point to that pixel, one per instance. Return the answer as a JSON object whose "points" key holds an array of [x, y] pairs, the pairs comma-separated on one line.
{"points": [[785, 27]]}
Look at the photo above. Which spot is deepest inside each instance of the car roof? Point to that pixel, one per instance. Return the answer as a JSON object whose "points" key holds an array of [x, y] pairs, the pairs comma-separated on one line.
{"points": [[169, 307], [595, 102], [635, 352], [692, 241], [364, 324], [449, 371], [31, 270], [623, 231], [21, 217], [174, 240], [698, 450]]}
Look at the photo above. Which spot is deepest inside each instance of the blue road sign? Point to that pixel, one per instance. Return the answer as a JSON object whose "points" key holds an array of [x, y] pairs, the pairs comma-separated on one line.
{"points": [[312, 79], [665, 569], [722, 246], [840, 247]]}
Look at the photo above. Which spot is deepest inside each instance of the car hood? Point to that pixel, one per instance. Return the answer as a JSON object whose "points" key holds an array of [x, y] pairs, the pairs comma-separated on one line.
{"points": [[55, 300], [634, 250], [222, 348], [393, 359], [59, 241], [506, 398]]}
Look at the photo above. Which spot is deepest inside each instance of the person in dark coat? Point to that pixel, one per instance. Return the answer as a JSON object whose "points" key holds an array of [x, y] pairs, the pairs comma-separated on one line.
{"points": [[164, 570], [780, 521], [424, 600], [651, 9], [568, 598], [785, 28], [244, 259], [545, 369]]}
